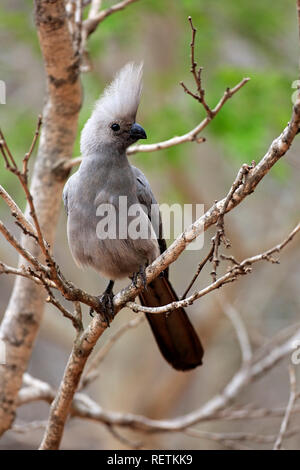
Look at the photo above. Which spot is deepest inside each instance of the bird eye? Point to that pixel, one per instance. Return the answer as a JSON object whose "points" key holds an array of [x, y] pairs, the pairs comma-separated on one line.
{"points": [[115, 127]]}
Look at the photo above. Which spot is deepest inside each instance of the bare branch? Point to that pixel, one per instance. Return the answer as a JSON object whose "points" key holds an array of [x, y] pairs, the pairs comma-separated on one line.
{"points": [[192, 135], [210, 409], [91, 23], [291, 402], [239, 327], [122, 439], [215, 409], [78, 25], [222, 438], [249, 412], [34, 389], [25, 272], [20, 249], [94, 8], [22, 176], [32, 146], [220, 234], [76, 320], [8, 158], [233, 273], [28, 427], [199, 96], [16, 212], [199, 269]]}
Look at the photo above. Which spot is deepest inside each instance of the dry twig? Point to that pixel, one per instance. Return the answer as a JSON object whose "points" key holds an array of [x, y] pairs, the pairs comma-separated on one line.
{"points": [[289, 408], [238, 269]]}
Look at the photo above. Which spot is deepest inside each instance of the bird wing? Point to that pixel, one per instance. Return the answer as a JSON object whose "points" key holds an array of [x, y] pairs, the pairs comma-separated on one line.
{"points": [[174, 333], [147, 199]]}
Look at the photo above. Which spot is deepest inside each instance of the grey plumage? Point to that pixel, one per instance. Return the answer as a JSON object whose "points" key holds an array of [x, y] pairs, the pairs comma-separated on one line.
{"points": [[104, 176]]}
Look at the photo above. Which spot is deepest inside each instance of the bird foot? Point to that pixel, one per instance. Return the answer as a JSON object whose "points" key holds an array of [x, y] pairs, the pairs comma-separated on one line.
{"points": [[106, 301], [141, 274], [107, 304]]}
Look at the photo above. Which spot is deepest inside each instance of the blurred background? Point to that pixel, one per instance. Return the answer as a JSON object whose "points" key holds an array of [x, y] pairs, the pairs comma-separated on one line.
{"points": [[252, 38]]}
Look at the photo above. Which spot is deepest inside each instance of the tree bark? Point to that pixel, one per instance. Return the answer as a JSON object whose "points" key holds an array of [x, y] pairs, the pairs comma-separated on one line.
{"points": [[60, 116]]}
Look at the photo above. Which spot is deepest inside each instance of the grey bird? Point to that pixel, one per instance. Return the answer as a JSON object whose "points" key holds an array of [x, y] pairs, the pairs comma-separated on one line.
{"points": [[105, 175]]}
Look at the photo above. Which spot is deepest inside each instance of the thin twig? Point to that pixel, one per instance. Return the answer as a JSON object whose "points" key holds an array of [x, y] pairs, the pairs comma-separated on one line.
{"points": [[122, 439], [26, 428], [25, 272], [16, 212], [31, 149], [200, 94], [21, 250], [289, 408], [219, 237], [237, 436], [234, 272], [199, 269], [76, 320], [91, 23], [78, 25], [22, 176], [239, 328]]}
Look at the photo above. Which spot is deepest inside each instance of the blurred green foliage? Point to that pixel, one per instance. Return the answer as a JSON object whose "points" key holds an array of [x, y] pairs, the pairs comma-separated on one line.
{"points": [[235, 39]]}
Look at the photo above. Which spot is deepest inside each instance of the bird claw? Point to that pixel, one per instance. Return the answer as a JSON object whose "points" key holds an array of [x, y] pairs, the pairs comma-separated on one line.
{"points": [[92, 312], [141, 274], [107, 308]]}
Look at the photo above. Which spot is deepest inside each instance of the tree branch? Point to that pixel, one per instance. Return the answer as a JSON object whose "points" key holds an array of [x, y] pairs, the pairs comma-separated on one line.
{"points": [[289, 408], [192, 135], [94, 18], [24, 313], [240, 329], [238, 269], [215, 409]]}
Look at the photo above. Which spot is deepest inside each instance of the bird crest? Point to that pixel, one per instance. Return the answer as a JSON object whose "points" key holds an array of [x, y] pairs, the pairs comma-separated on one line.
{"points": [[121, 98]]}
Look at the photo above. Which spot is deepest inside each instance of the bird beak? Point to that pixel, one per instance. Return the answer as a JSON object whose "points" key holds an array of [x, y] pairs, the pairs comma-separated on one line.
{"points": [[137, 132]]}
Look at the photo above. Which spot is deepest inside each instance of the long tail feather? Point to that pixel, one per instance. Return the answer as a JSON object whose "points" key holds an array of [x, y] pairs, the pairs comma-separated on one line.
{"points": [[174, 333]]}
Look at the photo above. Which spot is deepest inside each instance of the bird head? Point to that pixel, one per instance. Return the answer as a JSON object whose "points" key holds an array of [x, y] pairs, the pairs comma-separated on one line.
{"points": [[113, 121]]}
